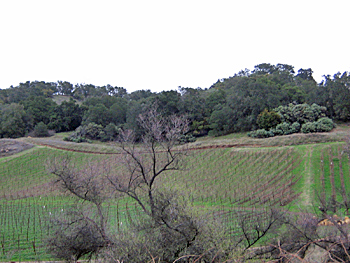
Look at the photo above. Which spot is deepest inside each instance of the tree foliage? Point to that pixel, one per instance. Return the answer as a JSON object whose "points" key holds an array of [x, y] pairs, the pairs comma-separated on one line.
{"points": [[239, 99], [40, 130], [14, 121], [268, 119]]}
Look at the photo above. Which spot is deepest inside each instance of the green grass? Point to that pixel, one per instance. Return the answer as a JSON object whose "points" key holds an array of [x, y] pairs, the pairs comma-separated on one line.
{"points": [[215, 180]]}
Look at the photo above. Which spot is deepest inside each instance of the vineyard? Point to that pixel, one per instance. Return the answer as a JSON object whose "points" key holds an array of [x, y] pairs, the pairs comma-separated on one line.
{"points": [[222, 181]]}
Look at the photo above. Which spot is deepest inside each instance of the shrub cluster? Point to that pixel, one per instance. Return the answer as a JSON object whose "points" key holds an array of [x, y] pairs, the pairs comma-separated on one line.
{"points": [[301, 113], [40, 130], [186, 138], [286, 128], [93, 131], [293, 118], [322, 125], [261, 133]]}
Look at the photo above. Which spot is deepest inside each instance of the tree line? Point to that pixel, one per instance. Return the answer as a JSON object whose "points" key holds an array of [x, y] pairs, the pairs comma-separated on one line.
{"points": [[230, 105]]}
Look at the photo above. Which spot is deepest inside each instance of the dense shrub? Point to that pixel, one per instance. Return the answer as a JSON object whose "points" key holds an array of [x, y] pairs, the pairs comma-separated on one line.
{"points": [[187, 138], [76, 139], [286, 128], [74, 238], [268, 119], [261, 133], [309, 127], [296, 118], [40, 130], [276, 132], [93, 131], [324, 124], [110, 132], [296, 127], [301, 113]]}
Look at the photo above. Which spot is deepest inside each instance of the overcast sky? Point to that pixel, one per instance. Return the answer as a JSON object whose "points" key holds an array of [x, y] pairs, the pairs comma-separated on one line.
{"points": [[160, 45]]}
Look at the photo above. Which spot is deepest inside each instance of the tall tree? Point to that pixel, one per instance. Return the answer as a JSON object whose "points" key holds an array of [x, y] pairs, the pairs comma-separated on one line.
{"points": [[264, 68], [305, 74], [337, 95], [117, 112], [65, 88], [97, 114], [169, 102], [14, 121], [192, 103], [40, 108], [66, 117]]}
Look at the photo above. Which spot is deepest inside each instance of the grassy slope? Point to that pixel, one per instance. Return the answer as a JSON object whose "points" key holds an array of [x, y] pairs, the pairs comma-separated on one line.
{"points": [[216, 179]]}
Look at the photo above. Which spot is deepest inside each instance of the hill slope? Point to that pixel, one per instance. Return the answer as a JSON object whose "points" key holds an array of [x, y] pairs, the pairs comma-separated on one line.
{"points": [[222, 175]]}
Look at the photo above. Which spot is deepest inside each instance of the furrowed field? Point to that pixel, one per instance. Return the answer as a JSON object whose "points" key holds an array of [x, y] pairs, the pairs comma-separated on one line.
{"points": [[225, 180]]}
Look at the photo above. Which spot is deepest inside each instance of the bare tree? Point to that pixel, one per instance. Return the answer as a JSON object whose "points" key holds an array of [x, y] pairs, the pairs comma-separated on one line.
{"points": [[80, 231], [167, 228], [253, 225], [300, 231], [153, 157], [156, 154]]}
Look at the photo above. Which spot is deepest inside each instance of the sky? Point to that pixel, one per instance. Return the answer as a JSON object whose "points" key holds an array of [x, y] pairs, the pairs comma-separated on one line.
{"points": [[161, 45]]}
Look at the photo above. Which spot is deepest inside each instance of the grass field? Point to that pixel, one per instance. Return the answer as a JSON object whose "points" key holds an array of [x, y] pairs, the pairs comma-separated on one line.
{"points": [[246, 174]]}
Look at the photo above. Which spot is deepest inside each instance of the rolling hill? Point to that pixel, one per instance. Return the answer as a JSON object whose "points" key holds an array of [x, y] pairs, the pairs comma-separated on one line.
{"points": [[222, 175]]}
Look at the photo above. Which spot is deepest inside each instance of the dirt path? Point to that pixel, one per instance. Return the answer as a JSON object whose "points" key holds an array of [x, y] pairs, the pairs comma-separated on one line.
{"points": [[8, 152]]}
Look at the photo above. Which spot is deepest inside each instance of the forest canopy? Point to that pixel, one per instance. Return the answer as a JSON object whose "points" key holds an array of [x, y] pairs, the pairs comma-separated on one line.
{"points": [[230, 105]]}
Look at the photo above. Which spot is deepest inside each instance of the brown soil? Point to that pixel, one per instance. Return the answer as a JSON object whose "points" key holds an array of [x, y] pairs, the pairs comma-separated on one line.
{"points": [[95, 152], [9, 147]]}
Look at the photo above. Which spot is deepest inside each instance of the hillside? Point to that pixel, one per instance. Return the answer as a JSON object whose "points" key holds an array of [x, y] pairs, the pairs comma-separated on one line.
{"points": [[223, 175], [241, 103]]}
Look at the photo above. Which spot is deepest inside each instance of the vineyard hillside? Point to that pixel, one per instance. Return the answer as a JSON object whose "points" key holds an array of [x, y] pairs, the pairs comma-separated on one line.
{"points": [[225, 176]]}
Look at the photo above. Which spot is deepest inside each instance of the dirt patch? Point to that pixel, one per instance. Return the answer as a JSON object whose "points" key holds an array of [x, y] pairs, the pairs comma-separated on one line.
{"points": [[114, 153], [9, 147]]}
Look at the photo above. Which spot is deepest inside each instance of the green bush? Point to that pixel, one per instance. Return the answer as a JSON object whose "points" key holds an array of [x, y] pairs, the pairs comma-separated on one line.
{"points": [[276, 132], [93, 131], [85, 133], [324, 125], [295, 127], [76, 139], [301, 113], [296, 118], [283, 128], [186, 138], [286, 128], [110, 133], [309, 127], [261, 133], [40, 130], [268, 119]]}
